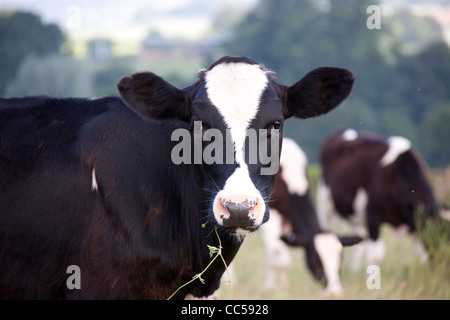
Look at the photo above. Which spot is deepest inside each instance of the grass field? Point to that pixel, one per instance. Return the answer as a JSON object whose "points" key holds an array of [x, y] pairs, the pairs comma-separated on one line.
{"points": [[402, 275]]}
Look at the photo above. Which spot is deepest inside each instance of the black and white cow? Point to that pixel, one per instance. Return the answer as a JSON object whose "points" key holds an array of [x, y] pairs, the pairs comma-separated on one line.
{"points": [[293, 221], [97, 185], [370, 180]]}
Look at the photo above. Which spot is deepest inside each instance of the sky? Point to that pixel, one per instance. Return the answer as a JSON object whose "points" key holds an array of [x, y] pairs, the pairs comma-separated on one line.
{"points": [[130, 22], [103, 13]]}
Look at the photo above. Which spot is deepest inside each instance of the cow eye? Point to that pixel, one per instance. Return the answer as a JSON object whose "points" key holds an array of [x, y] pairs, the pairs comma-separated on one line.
{"points": [[275, 125]]}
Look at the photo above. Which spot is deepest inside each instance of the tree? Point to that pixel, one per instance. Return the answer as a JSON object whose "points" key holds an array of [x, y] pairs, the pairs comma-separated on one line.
{"points": [[51, 75], [310, 133], [292, 37], [22, 34], [421, 81], [434, 135], [393, 94]]}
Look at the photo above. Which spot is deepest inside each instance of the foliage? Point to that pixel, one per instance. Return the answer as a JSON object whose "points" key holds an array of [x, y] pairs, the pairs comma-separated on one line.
{"points": [[22, 34], [394, 93], [402, 70], [214, 253], [434, 233], [106, 75], [51, 75], [434, 135]]}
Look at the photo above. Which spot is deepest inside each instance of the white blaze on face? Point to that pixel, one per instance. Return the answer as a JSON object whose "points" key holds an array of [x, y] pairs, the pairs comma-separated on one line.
{"points": [[293, 164], [397, 146], [235, 90]]}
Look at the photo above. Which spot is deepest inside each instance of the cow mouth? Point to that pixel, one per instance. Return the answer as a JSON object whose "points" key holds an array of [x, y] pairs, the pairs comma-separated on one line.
{"points": [[240, 232]]}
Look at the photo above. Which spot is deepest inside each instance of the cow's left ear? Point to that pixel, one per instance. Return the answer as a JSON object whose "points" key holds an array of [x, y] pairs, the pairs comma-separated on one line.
{"points": [[152, 97], [318, 92]]}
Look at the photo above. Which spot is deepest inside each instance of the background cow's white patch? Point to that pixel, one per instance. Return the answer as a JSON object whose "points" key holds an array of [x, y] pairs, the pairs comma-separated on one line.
{"points": [[397, 146], [329, 249], [349, 135], [277, 253], [293, 163]]}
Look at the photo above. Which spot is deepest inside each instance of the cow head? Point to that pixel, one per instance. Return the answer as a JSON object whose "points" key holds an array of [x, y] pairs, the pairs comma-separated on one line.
{"points": [[235, 98]]}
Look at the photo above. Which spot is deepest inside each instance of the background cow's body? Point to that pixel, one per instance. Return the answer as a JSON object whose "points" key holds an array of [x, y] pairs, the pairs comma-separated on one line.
{"points": [[371, 180], [294, 219], [92, 182]]}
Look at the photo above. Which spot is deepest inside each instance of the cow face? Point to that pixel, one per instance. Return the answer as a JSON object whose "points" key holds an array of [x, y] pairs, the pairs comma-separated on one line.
{"points": [[236, 109]]}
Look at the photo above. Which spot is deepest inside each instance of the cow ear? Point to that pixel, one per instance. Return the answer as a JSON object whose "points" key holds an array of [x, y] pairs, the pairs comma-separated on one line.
{"points": [[152, 97], [318, 92], [295, 240]]}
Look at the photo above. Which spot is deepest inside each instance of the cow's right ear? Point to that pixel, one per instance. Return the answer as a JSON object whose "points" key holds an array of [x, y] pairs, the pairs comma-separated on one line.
{"points": [[318, 92], [152, 97]]}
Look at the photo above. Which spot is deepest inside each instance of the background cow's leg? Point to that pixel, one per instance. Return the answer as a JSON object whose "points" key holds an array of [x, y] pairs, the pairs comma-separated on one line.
{"points": [[356, 256], [277, 253], [375, 251], [419, 247], [329, 219], [375, 245], [359, 228], [329, 250]]}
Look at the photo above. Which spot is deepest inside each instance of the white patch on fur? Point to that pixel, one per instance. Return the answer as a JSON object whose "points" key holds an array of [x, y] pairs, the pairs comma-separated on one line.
{"points": [[235, 90], [293, 163], [349, 135], [358, 219], [397, 146], [329, 249], [94, 185]]}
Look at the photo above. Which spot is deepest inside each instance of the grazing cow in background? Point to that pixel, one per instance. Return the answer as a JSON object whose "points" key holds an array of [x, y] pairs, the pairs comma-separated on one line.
{"points": [[293, 219], [91, 187], [370, 180]]}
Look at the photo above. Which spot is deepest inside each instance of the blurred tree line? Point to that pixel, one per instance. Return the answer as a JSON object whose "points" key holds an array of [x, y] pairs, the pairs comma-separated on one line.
{"points": [[36, 59], [22, 34], [402, 69], [395, 93]]}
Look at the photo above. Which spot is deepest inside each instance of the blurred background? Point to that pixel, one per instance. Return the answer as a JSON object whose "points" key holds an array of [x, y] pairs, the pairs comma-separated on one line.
{"points": [[402, 65]]}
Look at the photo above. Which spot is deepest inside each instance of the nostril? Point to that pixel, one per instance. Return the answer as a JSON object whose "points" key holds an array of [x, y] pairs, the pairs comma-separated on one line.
{"points": [[238, 213], [239, 208]]}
